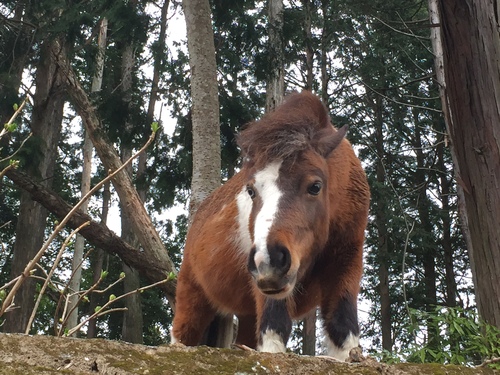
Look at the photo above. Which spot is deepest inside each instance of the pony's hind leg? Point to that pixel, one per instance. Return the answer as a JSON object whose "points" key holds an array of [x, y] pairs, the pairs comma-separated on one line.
{"points": [[193, 313]]}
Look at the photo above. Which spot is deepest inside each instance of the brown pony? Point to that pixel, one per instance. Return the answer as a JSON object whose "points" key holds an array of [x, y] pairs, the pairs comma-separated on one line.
{"points": [[281, 237]]}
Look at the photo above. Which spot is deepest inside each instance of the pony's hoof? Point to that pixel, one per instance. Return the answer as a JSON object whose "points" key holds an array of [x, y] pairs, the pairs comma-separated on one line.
{"points": [[356, 355]]}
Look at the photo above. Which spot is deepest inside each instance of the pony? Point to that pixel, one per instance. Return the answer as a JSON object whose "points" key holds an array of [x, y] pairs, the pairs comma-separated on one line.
{"points": [[281, 237]]}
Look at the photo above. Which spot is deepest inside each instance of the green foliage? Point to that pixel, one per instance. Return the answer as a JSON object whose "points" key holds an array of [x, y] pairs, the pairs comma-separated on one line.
{"points": [[10, 127], [155, 126], [463, 339]]}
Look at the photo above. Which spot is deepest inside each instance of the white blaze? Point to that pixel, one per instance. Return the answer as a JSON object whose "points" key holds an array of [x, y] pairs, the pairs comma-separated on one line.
{"points": [[244, 203], [266, 186]]}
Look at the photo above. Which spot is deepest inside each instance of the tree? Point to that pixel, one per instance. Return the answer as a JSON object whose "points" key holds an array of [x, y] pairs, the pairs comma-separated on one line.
{"points": [[205, 103], [471, 46], [275, 88], [46, 122], [87, 152], [205, 120]]}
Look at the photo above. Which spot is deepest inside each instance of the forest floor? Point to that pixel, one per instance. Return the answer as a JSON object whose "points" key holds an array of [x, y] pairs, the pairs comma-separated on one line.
{"points": [[26, 355]]}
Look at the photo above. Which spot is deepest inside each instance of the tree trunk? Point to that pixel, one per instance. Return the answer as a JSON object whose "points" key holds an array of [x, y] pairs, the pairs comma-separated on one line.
{"points": [[309, 326], [14, 63], [132, 327], [383, 235], [444, 182], [132, 316], [158, 62], [275, 88], [309, 334], [76, 277], [205, 117], [97, 262], [88, 149], [98, 258], [324, 53], [204, 93], [46, 122], [427, 249], [471, 45], [306, 5]]}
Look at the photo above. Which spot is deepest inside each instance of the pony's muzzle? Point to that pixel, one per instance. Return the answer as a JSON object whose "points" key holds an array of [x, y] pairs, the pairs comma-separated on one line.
{"points": [[270, 272]]}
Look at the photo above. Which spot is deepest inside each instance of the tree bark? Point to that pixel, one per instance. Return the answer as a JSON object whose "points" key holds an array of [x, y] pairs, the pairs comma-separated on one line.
{"points": [[13, 64], [437, 47], [88, 149], [204, 93], [76, 266], [471, 45], [275, 88], [206, 127], [48, 103], [309, 334], [309, 326]]}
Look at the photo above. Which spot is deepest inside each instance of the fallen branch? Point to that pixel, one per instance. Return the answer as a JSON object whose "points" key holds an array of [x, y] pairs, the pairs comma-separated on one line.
{"points": [[99, 235], [490, 361], [132, 206]]}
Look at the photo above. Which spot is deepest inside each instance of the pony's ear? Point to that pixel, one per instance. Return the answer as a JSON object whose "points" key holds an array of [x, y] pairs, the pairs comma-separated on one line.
{"points": [[325, 144]]}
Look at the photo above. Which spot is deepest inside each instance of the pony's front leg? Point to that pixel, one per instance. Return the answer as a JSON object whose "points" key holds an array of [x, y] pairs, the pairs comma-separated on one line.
{"points": [[193, 312], [341, 325], [274, 325]]}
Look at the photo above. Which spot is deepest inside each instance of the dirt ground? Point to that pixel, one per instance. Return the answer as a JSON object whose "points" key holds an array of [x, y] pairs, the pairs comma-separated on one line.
{"points": [[26, 355]]}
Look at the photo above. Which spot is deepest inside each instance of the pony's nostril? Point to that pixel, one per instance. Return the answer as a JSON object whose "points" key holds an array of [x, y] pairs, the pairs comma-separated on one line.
{"points": [[286, 258], [251, 261], [280, 258]]}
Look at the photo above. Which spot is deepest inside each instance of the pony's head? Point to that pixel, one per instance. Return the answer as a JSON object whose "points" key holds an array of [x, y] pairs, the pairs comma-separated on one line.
{"points": [[285, 202]]}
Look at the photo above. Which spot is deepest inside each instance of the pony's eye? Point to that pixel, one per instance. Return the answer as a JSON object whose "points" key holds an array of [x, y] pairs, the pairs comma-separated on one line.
{"points": [[251, 192], [314, 188]]}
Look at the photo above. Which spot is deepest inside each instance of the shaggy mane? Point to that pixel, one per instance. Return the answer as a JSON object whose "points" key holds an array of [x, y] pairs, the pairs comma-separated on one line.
{"points": [[290, 129]]}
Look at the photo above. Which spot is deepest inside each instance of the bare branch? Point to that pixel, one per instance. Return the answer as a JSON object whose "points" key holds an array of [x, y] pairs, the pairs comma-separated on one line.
{"points": [[49, 275], [60, 226], [102, 310]]}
